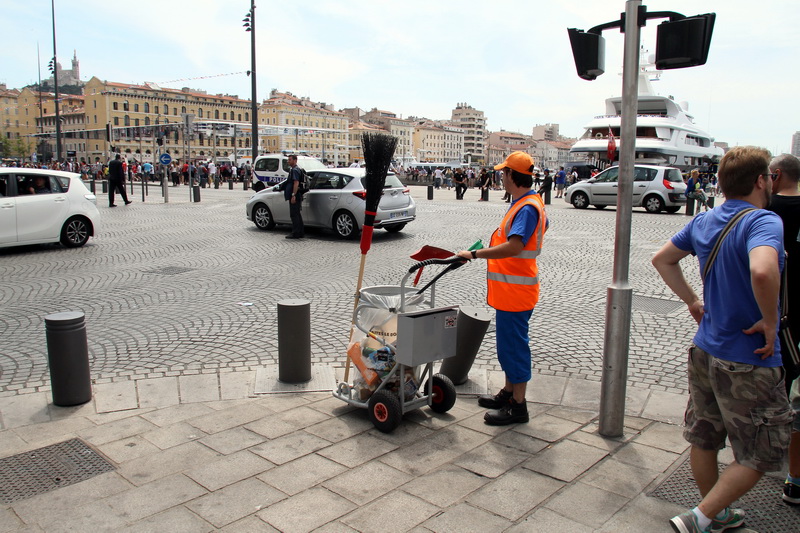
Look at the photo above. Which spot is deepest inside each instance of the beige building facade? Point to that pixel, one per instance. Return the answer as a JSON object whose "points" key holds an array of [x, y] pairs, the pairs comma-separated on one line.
{"points": [[473, 122]]}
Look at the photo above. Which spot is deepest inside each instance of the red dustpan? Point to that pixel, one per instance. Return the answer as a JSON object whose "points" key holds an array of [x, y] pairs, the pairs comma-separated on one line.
{"points": [[429, 252]]}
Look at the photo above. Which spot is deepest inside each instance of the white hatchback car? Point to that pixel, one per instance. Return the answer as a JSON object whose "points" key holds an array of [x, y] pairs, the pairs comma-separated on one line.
{"points": [[655, 188], [39, 206]]}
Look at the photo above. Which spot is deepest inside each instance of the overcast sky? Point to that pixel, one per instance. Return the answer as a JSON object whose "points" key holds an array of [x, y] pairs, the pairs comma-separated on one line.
{"points": [[508, 58]]}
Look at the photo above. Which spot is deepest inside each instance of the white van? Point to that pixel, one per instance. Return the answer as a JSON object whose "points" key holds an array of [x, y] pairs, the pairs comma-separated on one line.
{"points": [[272, 169]]}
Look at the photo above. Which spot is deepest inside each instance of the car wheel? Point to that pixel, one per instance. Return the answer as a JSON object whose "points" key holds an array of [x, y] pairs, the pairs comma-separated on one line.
{"points": [[580, 200], [672, 209], [653, 204], [75, 232], [262, 217], [259, 186], [394, 228], [345, 225], [599, 206]]}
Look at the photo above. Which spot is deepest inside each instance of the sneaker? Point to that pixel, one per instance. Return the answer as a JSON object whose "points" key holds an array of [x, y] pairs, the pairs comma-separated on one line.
{"points": [[687, 523], [496, 401], [511, 413], [733, 518], [791, 493]]}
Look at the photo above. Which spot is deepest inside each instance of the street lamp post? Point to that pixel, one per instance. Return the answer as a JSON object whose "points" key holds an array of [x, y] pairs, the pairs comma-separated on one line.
{"points": [[683, 42], [250, 25], [55, 84]]}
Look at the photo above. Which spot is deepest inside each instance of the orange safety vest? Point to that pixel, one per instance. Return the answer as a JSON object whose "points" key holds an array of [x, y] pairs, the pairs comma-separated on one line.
{"points": [[513, 282]]}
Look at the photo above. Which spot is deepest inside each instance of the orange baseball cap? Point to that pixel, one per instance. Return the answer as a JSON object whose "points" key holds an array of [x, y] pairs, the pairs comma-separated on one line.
{"points": [[519, 161]]}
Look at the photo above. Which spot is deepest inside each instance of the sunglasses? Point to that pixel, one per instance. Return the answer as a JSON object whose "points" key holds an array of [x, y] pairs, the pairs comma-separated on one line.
{"points": [[774, 176]]}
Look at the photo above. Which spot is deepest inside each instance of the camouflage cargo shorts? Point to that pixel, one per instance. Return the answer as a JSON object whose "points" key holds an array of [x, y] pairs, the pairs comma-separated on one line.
{"points": [[794, 398], [745, 403]]}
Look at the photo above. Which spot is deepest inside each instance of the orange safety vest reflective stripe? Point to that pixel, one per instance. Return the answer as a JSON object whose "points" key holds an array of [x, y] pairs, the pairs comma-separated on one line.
{"points": [[513, 282]]}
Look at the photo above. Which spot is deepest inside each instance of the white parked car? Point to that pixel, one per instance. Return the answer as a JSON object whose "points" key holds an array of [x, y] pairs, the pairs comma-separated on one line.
{"points": [[336, 199], [655, 188], [40, 206]]}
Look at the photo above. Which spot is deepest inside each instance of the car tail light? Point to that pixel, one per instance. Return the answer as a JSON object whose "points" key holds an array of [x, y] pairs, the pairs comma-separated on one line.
{"points": [[361, 194], [406, 191], [668, 184]]}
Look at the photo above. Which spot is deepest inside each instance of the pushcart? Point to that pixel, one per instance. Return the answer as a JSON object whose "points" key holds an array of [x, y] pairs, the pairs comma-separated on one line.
{"points": [[409, 336]]}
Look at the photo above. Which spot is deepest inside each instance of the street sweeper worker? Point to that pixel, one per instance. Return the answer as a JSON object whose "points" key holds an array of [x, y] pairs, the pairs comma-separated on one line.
{"points": [[513, 287]]}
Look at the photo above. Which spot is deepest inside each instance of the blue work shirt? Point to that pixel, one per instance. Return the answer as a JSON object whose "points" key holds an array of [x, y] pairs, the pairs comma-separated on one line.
{"points": [[729, 303]]}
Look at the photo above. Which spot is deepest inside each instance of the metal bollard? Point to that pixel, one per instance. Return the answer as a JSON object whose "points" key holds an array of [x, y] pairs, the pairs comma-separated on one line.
{"points": [[485, 194], [68, 358], [294, 341], [105, 186], [93, 186], [472, 324], [230, 185], [195, 193], [430, 192], [547, 197], [690, 207]]}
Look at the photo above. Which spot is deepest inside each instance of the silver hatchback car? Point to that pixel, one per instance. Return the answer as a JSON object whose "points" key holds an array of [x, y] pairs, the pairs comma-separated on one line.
{"points": [[336, 199], [655, 188]]}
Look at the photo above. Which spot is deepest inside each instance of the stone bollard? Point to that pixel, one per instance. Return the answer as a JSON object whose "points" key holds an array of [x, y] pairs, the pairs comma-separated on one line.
{"points": [[294, 341], [472, 325], [68, 358]]}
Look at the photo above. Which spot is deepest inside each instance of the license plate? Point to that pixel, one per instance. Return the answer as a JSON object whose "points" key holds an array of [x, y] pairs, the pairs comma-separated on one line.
{"points": [[398, 214]]}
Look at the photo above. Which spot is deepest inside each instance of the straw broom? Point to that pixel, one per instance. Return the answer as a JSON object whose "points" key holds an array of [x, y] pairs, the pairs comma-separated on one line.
{"points": [[378, 151]]}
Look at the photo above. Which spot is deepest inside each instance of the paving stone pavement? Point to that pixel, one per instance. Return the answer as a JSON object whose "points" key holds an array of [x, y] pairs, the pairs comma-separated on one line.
{"points": [[174, 358]]}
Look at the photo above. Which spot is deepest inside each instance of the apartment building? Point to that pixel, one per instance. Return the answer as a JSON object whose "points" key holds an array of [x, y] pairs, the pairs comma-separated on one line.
{"points": [[473, 122], [296, 123]]}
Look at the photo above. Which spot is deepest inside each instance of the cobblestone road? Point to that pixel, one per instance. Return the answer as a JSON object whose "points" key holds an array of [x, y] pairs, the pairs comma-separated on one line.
{"points": [[163, 287]]}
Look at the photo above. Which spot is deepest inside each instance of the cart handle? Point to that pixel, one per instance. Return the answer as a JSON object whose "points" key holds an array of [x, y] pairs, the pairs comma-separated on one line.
{"points": [[434, 261]]}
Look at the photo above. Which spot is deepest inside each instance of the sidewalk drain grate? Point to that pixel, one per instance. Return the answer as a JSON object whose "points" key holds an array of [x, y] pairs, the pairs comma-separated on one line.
{"points": [[39, 471], [656, 306], [169, 271], [766, 512]]}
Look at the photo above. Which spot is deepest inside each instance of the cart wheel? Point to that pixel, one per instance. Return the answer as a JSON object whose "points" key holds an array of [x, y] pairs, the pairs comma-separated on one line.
{"points": [[384, 411], [443, 393]]}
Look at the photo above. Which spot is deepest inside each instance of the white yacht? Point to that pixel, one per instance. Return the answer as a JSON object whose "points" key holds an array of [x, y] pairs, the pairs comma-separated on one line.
{"points": [[665, 131]]}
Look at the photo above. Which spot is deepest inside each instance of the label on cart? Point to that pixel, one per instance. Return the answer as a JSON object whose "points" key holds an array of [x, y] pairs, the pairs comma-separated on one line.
{"points": [[450, 321]]}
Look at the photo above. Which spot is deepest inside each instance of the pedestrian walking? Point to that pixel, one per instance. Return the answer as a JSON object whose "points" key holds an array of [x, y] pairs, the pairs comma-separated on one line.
{"points": [[786, 204], [736, 383], [295, 199], [461, 183], [561, 182], [116, 181], [513, 287]]}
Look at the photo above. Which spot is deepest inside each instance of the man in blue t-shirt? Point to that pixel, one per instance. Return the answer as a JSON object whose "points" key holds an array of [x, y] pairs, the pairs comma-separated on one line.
{"points": [[736, 388], [560, 181]]}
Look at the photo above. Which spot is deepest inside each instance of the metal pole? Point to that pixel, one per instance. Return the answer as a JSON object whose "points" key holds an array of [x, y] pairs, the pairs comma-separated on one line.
{"points": [[253, 102], [55, 85], [620, 293]]}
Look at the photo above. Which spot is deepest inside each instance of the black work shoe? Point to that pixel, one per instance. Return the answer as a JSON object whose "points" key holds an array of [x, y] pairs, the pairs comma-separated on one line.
{"points": [[496, 401], [510, 413], [128, 202], [292, 236]]}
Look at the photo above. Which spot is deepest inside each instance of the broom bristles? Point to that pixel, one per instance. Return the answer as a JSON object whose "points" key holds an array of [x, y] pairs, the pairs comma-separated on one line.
{"points": [[378, 151]]}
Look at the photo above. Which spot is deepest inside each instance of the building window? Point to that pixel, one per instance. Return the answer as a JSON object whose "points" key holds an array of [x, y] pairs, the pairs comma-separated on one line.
{"points": [[246, 117], [200, 112], [146, 107], [174, 110], [146, 121], [166, 109], [183, 109], [136, 108], [115, 106], [136, 122], [116, 121], [216, 113], [127, 120], [125, 105]]}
